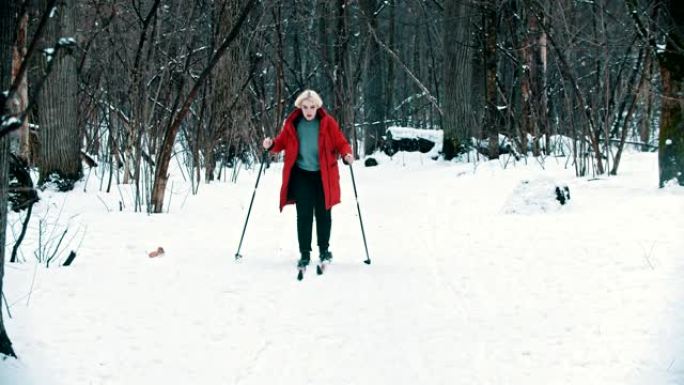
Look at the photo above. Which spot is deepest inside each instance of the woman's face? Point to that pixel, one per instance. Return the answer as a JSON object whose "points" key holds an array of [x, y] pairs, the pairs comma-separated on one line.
{"points": [[309, 109]]}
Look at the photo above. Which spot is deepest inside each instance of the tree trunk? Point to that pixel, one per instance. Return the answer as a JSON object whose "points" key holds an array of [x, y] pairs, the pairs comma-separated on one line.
{"points": [[344, 76], [645, 124], [671, 141], [491, 127], [8, 16], [372, 91], [525, 88], [280, 96], [390, 77], [18, 54], [60, 139], [457, 77], [536, 104]]}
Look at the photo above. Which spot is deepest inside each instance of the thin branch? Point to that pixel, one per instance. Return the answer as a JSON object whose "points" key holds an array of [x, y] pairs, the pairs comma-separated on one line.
{"points": [[6, 305], [170, 135], [413, 77]]}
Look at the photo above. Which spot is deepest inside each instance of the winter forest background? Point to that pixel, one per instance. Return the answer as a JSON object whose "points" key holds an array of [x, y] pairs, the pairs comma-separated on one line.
{"points": [[131, 86]]}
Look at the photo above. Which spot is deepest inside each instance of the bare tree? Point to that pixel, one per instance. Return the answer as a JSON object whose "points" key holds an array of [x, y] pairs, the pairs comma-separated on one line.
{"points": [[536, 91], [8, 18], [667, 46], [169, 137], [671, 141], [222, 113], [18, 54], [374, 103], [457, 65], [491, 126], [60, 138], [343, 74]]}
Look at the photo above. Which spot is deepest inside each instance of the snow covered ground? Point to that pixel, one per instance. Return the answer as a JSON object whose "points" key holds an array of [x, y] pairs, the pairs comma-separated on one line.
{"points": [[469, 283]]}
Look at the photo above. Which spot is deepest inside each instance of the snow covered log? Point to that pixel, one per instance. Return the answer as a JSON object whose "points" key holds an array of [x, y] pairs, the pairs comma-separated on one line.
{"points": [[412, 140]]}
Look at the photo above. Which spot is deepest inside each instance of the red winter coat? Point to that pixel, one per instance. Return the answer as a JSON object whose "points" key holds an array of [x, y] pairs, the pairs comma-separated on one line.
{"points": [[331, 144]]}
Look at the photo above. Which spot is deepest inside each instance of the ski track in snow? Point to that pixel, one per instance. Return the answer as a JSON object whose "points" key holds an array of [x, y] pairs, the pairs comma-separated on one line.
{"points": [[458, 291]]}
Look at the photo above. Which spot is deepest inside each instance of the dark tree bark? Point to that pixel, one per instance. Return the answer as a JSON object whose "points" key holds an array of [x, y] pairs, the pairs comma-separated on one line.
{"points": [[537, 85], [457, 75], [8, 18], [60, 139], [391, 71], [343, 75], [491, 117], [280, 72], [373, 101], [526, 125], [18, 54], [671, 140], [646, 118]]}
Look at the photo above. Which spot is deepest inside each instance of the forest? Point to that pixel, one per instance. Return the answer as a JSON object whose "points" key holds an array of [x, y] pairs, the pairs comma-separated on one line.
{"points": [[132, 86]]}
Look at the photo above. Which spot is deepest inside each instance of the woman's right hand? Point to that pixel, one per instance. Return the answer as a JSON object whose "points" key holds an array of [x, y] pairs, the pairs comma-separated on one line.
{"points": [[268, 142]]}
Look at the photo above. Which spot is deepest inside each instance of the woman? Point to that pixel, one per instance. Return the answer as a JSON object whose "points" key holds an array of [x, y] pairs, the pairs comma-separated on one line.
{"points": [[312, 141]]}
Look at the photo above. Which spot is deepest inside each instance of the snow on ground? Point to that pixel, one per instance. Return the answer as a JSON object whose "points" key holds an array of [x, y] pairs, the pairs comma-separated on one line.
{"points": [[461, 289]]}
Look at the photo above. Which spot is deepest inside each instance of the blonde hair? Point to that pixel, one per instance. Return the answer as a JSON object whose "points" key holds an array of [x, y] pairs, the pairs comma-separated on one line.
{"points": [[309, 95]]}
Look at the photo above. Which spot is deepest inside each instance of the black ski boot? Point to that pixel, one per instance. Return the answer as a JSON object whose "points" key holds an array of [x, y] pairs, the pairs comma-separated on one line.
{"points": [[326, 256], [304, 260], [302, 264], [325, 259]]}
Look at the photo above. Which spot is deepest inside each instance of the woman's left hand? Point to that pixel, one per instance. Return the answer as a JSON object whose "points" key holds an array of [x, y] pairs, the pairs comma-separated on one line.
{"points": [[348, 159]]}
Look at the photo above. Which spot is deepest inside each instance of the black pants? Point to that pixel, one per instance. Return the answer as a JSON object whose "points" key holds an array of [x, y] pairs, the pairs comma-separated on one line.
{"points": [[306, 188]]}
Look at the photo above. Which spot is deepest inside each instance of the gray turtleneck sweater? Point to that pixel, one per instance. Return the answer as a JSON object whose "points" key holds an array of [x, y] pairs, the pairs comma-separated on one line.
{"points": [[307, 133]]}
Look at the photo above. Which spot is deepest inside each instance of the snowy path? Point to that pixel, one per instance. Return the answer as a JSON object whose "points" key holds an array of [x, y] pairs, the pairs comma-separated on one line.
{"points": [[458, 292]]}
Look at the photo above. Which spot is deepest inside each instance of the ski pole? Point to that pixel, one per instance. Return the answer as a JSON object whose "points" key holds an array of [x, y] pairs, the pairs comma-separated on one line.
{"points": [[263, 160], [358, 208]]}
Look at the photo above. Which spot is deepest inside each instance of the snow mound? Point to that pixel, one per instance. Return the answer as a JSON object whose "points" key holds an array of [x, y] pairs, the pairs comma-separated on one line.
{"points": [[537, 196], [435, 136]]}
